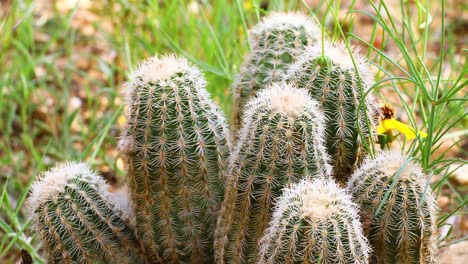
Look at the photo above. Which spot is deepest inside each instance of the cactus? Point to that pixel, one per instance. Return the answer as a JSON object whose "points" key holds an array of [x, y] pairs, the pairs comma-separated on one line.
{"points": [[275, 43], [176, 143], [72, 211], [314, 222], [281, 140], [402, 225], [332, 79]]}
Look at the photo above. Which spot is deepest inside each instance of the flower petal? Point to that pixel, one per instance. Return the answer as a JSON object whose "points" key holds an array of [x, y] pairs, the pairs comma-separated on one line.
{"points": [[409, 132], [381, 128], [404, 129]]}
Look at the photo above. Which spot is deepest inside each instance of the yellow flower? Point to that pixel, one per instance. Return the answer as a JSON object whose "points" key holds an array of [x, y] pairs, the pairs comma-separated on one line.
{"points": [[121, 120], [248, 5], [388, 124]]}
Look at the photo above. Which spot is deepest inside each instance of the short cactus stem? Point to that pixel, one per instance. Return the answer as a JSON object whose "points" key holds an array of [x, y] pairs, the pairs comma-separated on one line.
{"points": [[403, 224], [74, 215], [314, 222], [276, 42], [281, 141], [338, 83], [176, 144]]}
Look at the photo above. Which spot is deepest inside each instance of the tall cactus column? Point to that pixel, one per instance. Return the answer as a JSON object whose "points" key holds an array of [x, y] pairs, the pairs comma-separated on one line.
{"points": [[275, 44], [77, 219], [402, 225], [338, 84], [315, 222], [281, 141], [176, 144]]}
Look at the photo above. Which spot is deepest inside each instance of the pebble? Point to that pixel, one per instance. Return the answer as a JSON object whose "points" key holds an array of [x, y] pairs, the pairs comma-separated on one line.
{"points": [[460, 175]]}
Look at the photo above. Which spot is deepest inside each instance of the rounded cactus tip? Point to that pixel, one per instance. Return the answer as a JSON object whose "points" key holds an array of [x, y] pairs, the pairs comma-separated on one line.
{"points": [[284, 98], [161, 69], [318, 204], [287, 20], [338, 54], [393, 162], [54, 181], [321, 198], [392, 191], [314, 221], [72, 211]]}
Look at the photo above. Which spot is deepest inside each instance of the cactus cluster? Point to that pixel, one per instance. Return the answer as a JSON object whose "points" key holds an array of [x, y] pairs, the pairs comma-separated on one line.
{"points": [[79, 221], [274, 197], [394, 195], [276, 42], [314, 222], [337, 80]]}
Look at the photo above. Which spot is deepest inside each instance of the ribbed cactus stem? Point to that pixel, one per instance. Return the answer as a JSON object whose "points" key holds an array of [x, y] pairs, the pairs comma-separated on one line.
{"points": [[281, 141], [314, 222], [338, 84], [403, 224], [276, 42], [72, 211], [176, 144]]}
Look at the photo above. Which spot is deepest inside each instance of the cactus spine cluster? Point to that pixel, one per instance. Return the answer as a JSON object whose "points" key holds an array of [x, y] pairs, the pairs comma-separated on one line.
{"points": [[314, 222], [74, 214], [281, 141], [334, 80], [275, 44], [403, 228], [176, 144]]}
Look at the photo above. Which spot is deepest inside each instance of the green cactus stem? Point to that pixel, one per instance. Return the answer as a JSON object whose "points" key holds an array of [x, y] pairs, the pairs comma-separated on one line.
{"points": [[276, 42], [314, 222], [394, 194], [281, 140], [73, 213], [338, 83], [176, 144]]}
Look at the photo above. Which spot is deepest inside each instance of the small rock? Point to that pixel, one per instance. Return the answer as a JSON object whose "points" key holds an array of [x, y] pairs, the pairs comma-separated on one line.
{"points": [[460, 174], [443, 201], [120, 164], [75, 103], [47, 160]]}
